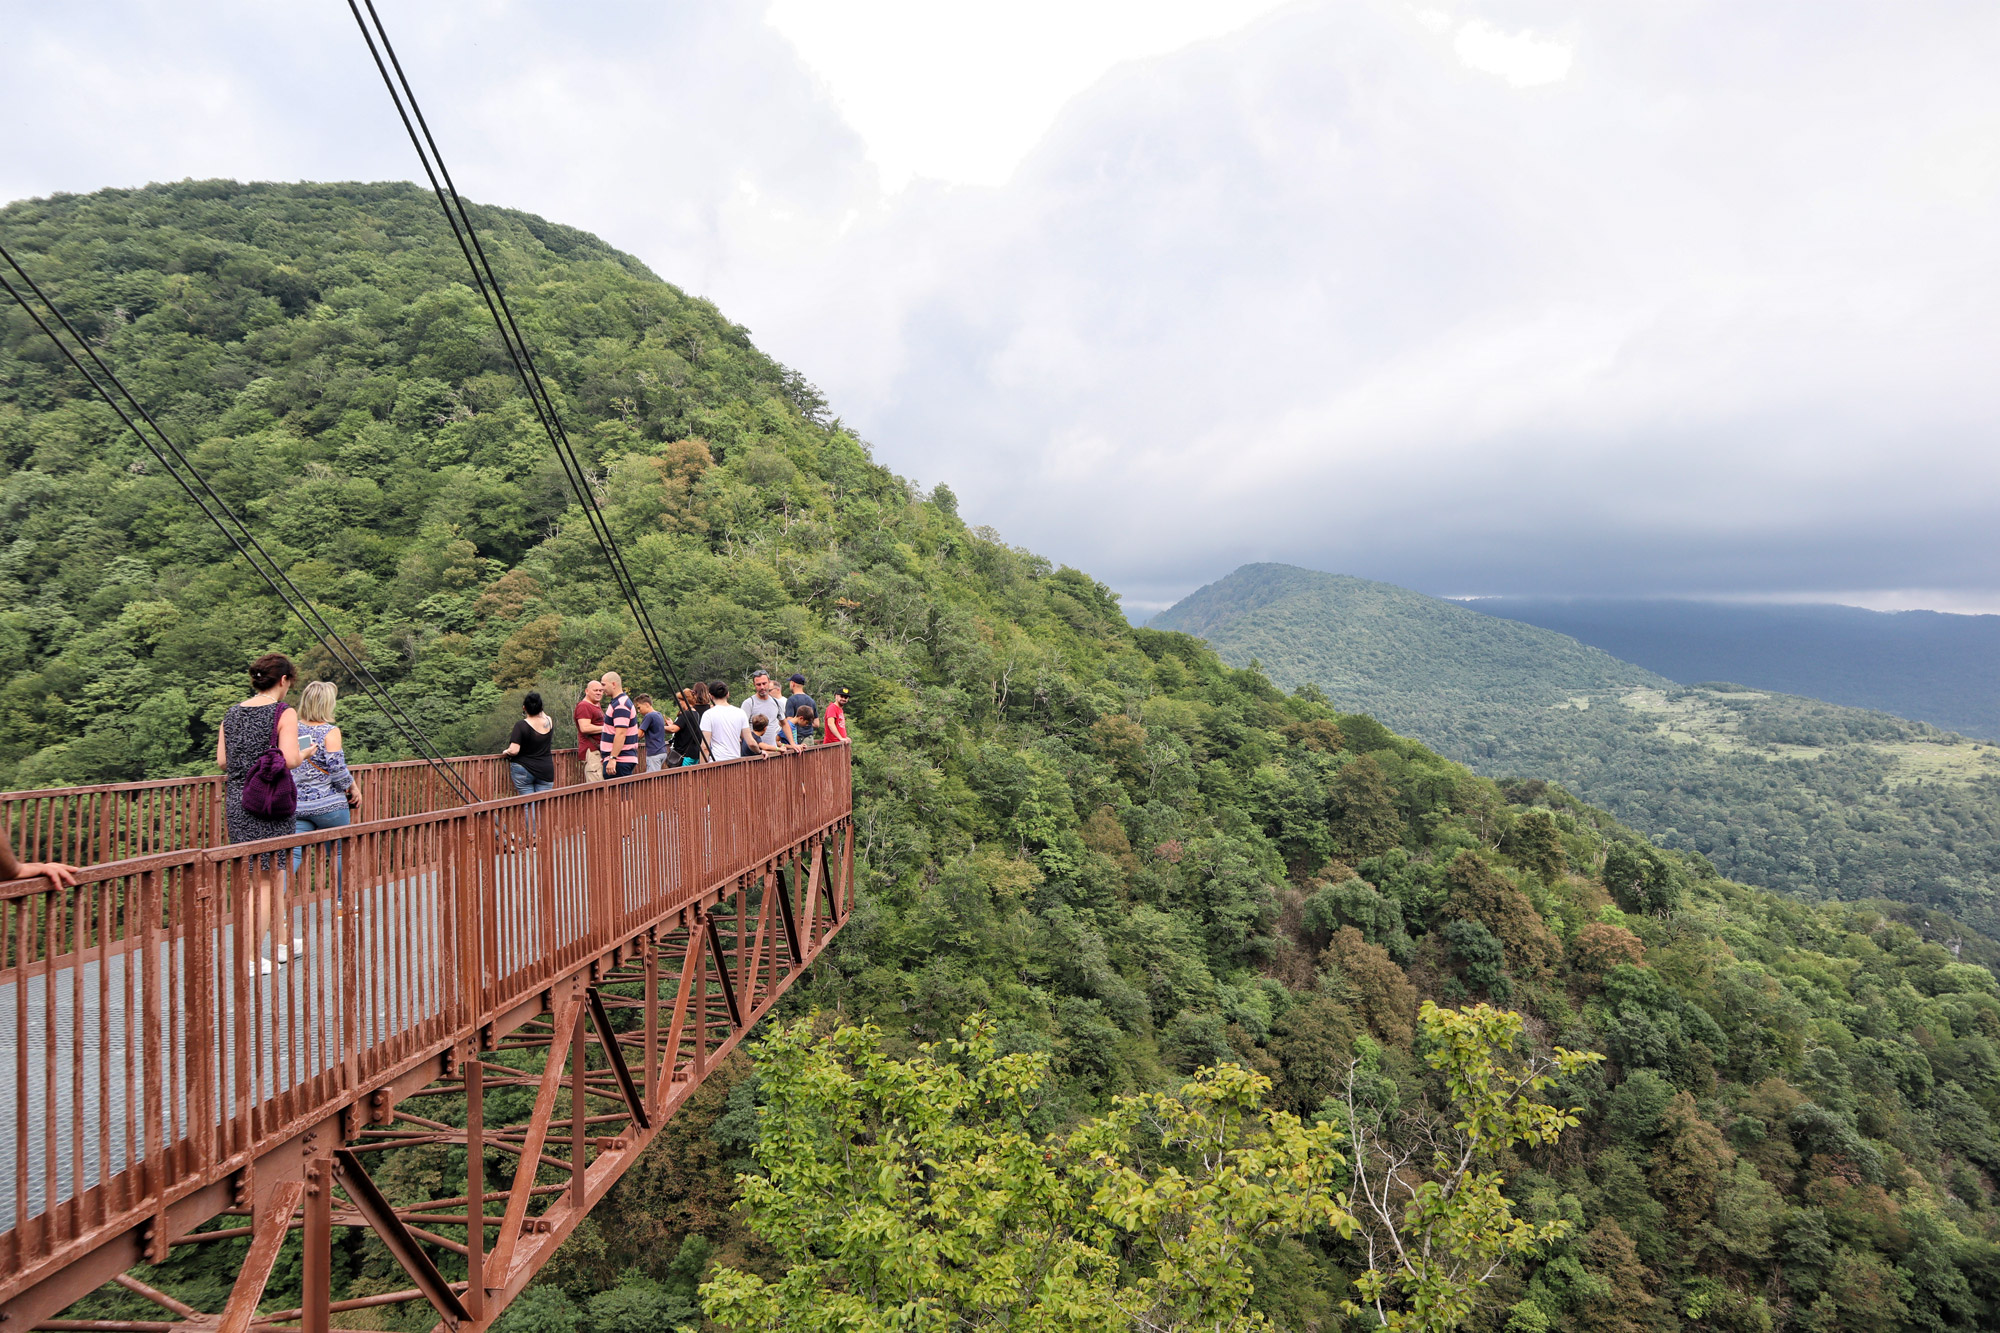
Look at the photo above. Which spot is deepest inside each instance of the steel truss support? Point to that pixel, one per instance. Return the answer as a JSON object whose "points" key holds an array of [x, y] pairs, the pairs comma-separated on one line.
{"points": [[616, 1046]]}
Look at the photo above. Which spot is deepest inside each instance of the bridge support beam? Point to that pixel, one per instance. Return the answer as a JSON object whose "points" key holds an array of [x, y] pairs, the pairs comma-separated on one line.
{"points": [[612, 1046], [393, 1232], [273, 1225]]}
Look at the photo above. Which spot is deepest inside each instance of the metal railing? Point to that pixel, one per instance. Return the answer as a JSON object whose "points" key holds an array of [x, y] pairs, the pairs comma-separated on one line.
{"points": [[149, 1048], [120, 820]]}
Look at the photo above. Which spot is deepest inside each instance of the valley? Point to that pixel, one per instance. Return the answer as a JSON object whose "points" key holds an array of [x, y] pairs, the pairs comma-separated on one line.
{"points": [[1793, 793]]}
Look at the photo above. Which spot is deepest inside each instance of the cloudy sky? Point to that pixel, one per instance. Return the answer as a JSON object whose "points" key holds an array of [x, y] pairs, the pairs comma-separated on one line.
{"points": [[1515, 297]]}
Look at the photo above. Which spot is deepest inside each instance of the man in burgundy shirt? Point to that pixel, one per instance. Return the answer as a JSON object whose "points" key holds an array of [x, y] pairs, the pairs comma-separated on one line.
{"points": [[589, 731]]}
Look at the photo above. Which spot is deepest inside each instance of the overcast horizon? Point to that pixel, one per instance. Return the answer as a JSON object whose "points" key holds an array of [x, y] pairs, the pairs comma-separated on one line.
{"points": [[1884, 601], [1531, 298]]}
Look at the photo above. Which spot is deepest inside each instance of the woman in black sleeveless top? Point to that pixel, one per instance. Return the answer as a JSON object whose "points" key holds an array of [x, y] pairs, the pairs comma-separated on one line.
{"points": [[247, 732], [530, 764], [684, 732]]}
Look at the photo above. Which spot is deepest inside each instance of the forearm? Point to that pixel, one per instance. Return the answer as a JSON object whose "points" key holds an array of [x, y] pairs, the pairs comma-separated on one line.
{"points": [[57, 873]]}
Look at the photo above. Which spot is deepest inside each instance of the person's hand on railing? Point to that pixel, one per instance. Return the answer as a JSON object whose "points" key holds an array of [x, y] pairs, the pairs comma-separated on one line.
{"points": [[58, 874]]}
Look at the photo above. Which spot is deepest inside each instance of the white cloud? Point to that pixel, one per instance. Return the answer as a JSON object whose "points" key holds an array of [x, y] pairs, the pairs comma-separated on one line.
{"points": [[1521, 58], [1955, 600], [961, 93]]}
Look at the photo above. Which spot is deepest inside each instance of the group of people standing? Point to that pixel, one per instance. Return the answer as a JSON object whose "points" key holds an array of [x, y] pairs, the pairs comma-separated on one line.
{"points": [[296, 756], [324, 792], [617, 732], [768, 723], [323, 795]]}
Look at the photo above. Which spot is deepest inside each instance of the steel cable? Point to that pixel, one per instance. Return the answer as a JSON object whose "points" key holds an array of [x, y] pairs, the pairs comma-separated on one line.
{"points": [[240, 535], [459, 218]]}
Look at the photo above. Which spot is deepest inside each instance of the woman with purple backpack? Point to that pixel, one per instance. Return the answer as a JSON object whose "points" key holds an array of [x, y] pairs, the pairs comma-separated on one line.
{"points": [[257, 737]]}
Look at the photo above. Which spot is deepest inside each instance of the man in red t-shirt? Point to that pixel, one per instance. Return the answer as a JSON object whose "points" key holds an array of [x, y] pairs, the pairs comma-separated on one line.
{"points": [[836, 719], [589, 725]]}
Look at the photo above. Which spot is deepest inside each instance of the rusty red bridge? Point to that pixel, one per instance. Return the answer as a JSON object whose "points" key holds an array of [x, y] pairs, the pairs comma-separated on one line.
{"points": [[583, 957]]}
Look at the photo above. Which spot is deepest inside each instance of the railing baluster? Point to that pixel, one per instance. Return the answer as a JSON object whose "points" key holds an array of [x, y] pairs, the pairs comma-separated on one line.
{"points": [[18, 967], [201, 1063], [51, 1180]]}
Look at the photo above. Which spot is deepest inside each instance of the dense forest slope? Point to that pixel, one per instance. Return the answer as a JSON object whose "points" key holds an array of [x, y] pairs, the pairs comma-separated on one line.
{"points": [[1927, 665], [1791, 793], [1132, 856]]}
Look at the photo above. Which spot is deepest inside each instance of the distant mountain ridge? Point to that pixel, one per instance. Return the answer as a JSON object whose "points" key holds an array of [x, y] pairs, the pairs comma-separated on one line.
{"points": [[1925, 665], [1814, 798], [1383, 623]]}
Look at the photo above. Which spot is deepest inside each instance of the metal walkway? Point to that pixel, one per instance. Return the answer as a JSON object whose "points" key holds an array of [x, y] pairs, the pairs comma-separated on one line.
{"points": [[602, 944]]}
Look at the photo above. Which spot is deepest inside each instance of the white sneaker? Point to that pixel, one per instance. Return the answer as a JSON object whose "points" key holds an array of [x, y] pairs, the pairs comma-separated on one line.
{"points": [[264, 966]]}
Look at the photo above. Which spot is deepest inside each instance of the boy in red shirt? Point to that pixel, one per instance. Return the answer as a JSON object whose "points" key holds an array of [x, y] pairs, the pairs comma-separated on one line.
{"points": [[836, 718]]}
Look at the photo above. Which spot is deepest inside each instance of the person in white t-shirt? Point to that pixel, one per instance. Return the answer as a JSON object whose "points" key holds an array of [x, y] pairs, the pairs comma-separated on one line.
{"points": [[764, 700], [726, 726]]}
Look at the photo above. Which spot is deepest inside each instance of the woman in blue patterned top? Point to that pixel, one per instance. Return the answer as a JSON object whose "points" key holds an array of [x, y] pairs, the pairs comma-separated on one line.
{"points": [[327, 795]]}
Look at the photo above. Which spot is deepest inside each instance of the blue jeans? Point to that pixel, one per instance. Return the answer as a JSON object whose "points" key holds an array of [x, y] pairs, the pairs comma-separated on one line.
{"points": [[527, 784], [338, 817]]}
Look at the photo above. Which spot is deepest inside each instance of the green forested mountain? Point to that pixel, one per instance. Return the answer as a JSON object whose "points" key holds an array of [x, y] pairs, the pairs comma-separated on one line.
{"points": [[1133, 857], [1933, 666], [1812, 798]]}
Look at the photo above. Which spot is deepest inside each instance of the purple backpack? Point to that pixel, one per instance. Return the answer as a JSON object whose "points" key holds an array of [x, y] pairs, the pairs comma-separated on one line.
{"points": [[268, 792]]}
